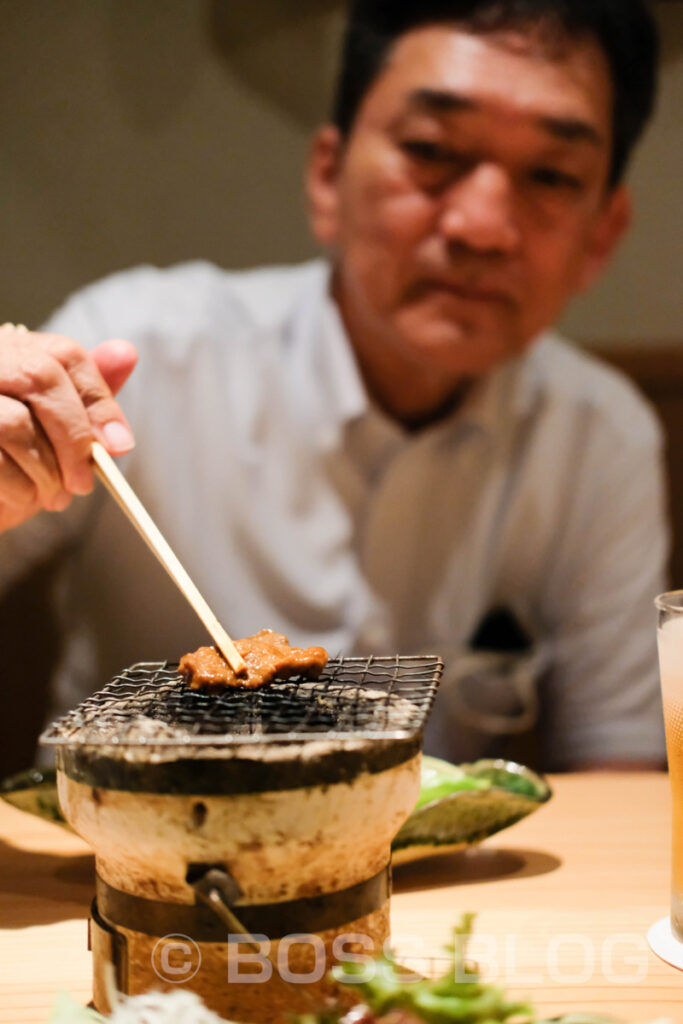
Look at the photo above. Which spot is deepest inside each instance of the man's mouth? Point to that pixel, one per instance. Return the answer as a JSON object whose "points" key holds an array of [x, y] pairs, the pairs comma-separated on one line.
{"points": [[469, 291]]}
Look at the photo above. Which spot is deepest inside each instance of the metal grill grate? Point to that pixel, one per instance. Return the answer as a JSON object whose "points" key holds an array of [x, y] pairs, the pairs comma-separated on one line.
{"points": [[150, 705]]}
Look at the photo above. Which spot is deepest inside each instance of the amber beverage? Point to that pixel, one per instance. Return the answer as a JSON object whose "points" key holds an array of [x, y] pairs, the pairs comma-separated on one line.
{"points": [[670, 643]]}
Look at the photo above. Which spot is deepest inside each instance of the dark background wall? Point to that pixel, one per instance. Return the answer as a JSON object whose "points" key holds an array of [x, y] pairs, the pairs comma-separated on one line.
{"points": [[141, 130]]}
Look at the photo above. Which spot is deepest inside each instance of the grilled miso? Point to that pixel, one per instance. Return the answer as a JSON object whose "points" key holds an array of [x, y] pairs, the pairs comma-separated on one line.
{"points": [[268, 656]]}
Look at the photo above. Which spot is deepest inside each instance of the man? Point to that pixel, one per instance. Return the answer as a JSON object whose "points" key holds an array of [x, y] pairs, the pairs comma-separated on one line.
{"points": [[376, 454]]}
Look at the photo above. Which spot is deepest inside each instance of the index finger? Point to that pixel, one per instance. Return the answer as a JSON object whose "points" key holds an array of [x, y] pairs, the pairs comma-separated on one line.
{"points": [[105, 414]]}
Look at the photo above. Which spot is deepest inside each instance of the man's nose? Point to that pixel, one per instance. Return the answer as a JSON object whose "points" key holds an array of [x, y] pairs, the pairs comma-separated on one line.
{"points": [[478, 212]]}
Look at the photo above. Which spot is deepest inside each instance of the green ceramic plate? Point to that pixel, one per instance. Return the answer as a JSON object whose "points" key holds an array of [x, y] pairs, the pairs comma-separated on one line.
{"points": [[34, 791], [463, 804]]}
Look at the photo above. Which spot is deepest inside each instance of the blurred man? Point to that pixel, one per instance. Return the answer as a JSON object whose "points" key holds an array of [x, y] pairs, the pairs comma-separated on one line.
{"points": [[376, 452]]}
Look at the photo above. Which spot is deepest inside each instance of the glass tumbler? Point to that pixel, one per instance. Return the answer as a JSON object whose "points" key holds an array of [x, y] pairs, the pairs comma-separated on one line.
{"points": [[670, 645]]}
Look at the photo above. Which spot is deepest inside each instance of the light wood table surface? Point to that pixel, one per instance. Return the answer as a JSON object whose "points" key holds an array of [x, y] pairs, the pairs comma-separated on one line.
{"points": [[564, 900]]}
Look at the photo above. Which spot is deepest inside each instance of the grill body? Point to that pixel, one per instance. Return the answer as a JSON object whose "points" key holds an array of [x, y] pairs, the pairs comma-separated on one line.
{"points": [[292, 811]]}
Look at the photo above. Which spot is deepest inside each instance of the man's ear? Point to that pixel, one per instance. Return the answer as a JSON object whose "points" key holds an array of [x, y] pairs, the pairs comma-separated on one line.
{"points": [[608, 230], [322, 184]]}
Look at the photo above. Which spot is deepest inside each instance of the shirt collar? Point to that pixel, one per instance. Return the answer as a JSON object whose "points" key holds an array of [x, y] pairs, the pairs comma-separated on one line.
{"points": [[325, 383], [344, 385], [507, 392]]}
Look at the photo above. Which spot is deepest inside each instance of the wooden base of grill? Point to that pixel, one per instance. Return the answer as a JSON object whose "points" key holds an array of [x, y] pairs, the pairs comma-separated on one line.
{"points": [[220, 973]]}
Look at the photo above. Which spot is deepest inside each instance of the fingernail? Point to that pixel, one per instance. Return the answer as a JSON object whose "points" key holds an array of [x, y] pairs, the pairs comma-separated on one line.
{"points": [[118, 437]]}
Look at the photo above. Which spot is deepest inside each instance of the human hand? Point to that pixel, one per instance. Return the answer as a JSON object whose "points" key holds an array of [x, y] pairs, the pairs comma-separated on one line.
{"points": [[55, 399]]}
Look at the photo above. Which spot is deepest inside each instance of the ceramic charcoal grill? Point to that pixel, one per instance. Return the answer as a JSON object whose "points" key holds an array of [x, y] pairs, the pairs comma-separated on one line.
{"points": [[223, 818]]}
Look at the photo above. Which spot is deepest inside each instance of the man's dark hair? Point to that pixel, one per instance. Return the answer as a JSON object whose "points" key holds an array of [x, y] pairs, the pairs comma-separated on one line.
{"points": [[625, 29]]}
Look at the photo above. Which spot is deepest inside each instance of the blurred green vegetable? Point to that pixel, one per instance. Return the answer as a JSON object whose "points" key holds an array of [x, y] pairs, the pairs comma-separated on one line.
{"points": [[459, 996], [440, 778]]}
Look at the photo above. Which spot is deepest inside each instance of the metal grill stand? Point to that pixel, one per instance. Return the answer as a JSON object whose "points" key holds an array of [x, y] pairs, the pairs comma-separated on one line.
{"points": [[273, 808]]}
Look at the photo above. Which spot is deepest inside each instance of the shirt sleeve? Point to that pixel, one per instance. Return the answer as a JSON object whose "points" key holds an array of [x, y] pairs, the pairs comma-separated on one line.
{"points": [[602, 698]]}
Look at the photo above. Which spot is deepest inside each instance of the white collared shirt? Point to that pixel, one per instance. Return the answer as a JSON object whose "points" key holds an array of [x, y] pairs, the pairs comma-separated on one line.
{"points": [[296, 504]]}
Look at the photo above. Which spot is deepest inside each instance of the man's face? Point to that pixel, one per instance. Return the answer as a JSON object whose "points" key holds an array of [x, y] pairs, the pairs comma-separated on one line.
{"points": [[470, 200]]}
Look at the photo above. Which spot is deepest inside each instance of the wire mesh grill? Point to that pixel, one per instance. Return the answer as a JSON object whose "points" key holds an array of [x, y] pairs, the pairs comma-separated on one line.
{"points": [[150, 705]]}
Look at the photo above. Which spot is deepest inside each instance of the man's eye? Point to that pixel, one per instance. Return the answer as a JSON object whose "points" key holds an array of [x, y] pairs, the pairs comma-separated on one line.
{"points": [[430, 152], [550, 177]]}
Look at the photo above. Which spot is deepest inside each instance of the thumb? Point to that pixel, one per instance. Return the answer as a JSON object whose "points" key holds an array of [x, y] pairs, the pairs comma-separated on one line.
{"points": [[116, 360]]}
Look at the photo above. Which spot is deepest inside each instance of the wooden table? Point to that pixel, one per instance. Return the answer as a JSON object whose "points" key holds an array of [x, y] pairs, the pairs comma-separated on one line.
{"points": [[564, 901]]}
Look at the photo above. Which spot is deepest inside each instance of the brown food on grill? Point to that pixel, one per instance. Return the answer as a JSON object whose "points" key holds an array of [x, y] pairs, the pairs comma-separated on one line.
{"points": [[268, 656]]}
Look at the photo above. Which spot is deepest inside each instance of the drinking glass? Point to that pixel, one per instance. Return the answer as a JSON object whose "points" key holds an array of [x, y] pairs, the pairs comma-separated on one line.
{"points": [[670, 644]]}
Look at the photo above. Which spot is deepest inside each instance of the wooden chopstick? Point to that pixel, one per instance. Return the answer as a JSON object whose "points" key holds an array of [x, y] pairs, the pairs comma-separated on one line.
{"points": [[117, 485]]}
